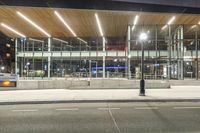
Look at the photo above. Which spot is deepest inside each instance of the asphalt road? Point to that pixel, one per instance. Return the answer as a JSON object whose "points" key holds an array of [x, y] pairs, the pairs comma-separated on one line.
{"points": [[101, 118]]}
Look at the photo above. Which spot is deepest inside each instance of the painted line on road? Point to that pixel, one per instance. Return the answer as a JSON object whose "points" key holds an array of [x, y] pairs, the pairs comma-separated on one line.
{"points": [[108, 108], [25, 110], [186, 107], [146, 108], [114, 121], [67, 109]]}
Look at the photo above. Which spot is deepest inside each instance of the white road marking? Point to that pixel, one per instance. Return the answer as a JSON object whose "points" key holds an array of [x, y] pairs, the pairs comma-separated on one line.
{"points": [[25, 110], [108, 108], [186, 107], [114, 121], [67, 109], [145, 108]]}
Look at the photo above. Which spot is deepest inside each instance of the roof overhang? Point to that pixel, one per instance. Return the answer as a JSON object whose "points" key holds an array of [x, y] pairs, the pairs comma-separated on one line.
{"points": [[82, 21]]}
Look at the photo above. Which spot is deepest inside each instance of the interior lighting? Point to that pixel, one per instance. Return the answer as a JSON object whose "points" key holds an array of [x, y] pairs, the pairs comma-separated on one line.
{"points": [[135, 21], [36, 40], [68, 27], [99, 24], [63, 41], [169, 22], [194, 26], [65, 23], [57, 39], [33, 23], [13, 30], [82, 40]]}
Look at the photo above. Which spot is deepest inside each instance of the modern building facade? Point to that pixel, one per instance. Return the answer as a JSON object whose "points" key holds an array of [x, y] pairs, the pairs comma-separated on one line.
{"points": [[69, 43]]}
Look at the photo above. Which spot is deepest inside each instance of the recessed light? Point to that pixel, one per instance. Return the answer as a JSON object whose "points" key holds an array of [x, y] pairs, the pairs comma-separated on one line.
{"points": [[33, 23], [99, 24], [13, 30]]}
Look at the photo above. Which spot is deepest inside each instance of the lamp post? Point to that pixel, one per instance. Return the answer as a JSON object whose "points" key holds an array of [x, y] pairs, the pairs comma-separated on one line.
{"points": [[143, 37]]}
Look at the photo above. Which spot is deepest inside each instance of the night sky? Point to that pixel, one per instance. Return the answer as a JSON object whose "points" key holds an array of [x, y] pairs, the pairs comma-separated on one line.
{"points": [[7, 53]]}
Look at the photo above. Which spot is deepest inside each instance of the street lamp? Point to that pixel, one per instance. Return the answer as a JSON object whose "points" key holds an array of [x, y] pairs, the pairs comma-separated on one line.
{"points": [[143, 37], [27, 68], [2, 68]]}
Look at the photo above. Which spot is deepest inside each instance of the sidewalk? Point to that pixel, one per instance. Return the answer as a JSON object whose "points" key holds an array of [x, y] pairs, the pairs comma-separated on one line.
{"points": [[176, 93]]}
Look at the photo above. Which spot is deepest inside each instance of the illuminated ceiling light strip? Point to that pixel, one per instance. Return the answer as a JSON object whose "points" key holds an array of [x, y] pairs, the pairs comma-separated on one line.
{"points": [[57, 39], [68, 27], [82, 40], [164, 27], [199, 23], [36, 40], [194, 26], [99, 24], [33, 23], [133, 27], [65, 23], [135, 21], [13, 30], [169, 22]]}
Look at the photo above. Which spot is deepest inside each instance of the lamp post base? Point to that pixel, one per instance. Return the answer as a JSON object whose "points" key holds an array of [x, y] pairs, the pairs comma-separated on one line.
{"points": [[141, 94], [142, 85]]}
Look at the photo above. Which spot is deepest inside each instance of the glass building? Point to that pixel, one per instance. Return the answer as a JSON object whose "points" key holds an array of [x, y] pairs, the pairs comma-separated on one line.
{"points": [[69, 43]]}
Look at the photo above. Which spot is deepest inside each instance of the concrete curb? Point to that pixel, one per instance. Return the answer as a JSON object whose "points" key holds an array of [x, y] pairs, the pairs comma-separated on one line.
{"points": [[86, 89], [99, 101]]}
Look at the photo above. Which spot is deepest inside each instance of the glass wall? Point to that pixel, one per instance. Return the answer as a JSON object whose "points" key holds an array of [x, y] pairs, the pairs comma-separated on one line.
{"points": [[170, 53]]}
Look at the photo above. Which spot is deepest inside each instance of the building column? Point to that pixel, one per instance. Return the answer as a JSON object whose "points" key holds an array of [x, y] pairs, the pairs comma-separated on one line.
{"points": [[175, 57], [178, 53], [49, 57], [156, 47], [169, 55], [182, 51], [16, 69], [196, 49], [104, 57], [128, 52]]}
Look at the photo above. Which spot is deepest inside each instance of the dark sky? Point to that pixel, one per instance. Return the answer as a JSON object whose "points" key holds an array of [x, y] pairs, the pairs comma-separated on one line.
{"points": [[184, 3], [172, 6]]}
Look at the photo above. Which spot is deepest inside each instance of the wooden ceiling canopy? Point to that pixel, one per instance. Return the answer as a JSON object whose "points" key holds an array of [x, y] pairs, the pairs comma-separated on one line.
{"points": [[114, 23]]}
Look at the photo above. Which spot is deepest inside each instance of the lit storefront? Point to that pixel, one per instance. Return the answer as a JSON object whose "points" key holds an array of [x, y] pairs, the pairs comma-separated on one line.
{"points": [[104, 44]]}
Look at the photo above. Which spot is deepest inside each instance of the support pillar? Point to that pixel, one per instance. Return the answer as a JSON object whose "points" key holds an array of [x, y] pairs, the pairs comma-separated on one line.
{"points": [[156, 47], [175, 57], [169, 55], [16, 69], [104, 57], [128, 52], [196, 49], [178, 53], [49, 57], [182, 51]]}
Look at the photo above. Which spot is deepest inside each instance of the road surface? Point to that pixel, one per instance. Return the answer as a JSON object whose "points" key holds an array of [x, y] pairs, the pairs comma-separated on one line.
{"points": [[101, 118]]}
